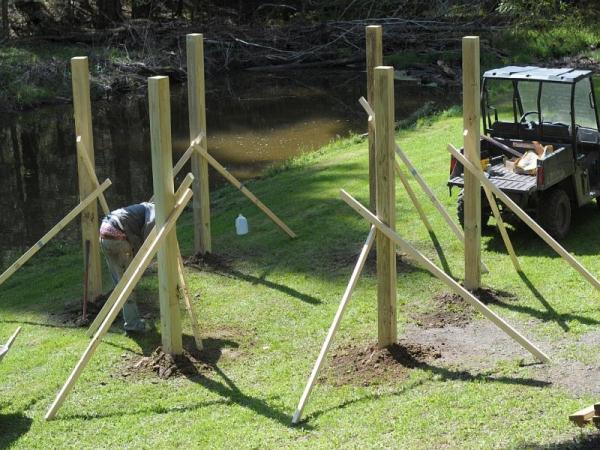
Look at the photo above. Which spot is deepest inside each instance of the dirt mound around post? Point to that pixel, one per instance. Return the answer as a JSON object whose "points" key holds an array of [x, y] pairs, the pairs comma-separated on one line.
{"points": [[452, 310], [369, 365], [167, 366]]}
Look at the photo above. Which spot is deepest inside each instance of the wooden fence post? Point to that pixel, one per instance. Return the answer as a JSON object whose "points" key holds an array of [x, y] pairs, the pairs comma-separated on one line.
{"points": [[162, 175], [374, 59], [197, 118], [386, 204], [472, 189], [89, 217]]}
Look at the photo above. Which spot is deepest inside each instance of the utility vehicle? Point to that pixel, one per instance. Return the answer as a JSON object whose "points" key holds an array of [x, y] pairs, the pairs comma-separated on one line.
{"points": [[555, 107]]}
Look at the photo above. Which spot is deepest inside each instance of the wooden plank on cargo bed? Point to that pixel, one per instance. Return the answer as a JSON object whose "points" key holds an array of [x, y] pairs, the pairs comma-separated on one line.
{"points": [[583, 416]]}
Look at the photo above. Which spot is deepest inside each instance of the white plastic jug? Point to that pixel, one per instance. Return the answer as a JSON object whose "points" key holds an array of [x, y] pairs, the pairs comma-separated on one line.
{"points": [[241, 225]]}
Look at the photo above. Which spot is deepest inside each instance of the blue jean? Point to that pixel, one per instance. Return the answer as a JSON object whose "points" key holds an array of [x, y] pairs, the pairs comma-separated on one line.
{"points": [[119, 255]]}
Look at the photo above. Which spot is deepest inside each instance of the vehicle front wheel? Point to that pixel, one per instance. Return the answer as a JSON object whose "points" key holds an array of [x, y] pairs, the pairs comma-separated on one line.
{"points": [[554, 213], [460, 210]]}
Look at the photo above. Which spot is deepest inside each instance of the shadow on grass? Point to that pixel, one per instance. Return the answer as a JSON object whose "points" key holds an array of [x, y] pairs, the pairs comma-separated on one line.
{"points": [[549, 315], [583, 238], [552, 313], [234, 273], [227, 389], [12, 427], [442, 374], [581, 442], [441, 254]]}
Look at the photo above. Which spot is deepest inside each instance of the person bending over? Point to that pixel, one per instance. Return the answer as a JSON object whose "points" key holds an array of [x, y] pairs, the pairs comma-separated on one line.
{"points": [[122, 233]]}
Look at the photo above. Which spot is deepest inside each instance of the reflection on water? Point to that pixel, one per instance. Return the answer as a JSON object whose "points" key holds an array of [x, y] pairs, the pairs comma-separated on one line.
{"points": [[254, 120]]}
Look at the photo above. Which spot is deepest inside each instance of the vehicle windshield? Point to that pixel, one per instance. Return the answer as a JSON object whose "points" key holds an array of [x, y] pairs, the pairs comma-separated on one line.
{"points": [[511, 101]]}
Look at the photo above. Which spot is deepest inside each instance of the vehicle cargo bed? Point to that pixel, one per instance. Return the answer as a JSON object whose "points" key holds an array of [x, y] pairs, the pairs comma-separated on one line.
{"points": [[504, 179]]}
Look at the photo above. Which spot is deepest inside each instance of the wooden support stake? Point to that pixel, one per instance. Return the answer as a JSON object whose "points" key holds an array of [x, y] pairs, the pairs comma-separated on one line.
{"points": [[386, 205], [441, 275], [89, 167], [162, 177], [509, 247], [413, 197], [476, 170], [197, 119], [183, 187], [83, 127], [54, 231], [234, 181], [438, 205], [121, 292], [472, 188], [374, 47], [6, 347], [188, 303], [364, 253]]}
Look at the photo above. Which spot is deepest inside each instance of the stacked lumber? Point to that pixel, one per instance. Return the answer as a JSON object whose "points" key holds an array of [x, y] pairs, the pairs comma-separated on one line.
{"points": [[587, 415]]}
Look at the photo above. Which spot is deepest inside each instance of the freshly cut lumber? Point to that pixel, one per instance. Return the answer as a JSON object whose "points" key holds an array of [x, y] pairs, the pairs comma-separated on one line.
{"points": [[507, 243], [362, 257], [438, 205], [504, 147], [525, 217], [234, 181], [442, 276], [54, 231], [121, 292], [183, 187], [197, 124], [188, 303], [89, 167], [583, 416], [6, 347], [184, 159]]}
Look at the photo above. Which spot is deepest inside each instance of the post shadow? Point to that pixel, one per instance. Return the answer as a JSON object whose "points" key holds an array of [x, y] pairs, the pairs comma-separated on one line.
{"points": [[12, 427], [440, 253], [401, 356]]}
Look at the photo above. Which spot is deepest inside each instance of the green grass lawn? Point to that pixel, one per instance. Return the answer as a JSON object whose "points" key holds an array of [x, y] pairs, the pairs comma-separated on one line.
{"points": [[267, 315]]}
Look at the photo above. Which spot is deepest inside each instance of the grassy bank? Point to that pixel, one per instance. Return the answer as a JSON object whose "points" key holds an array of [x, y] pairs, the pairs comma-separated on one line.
{"points": [[265, 309]]}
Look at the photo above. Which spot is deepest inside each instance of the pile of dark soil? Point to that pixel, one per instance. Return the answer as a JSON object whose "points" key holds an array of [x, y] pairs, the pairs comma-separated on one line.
{"points": [[452, 310], [449, 310], [166, 366], [489, 296], [209, 262], [369, 365]]}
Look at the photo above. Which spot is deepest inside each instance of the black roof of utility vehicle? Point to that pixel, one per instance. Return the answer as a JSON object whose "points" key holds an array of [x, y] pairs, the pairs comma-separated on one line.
{"points": [[564, 75]]}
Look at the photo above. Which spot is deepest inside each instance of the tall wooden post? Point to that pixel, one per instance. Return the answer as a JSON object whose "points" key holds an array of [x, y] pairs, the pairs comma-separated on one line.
{"points": [[472, 189], [164, 195], [89, 217], [386, 204], [197, 117], [374, 59]]}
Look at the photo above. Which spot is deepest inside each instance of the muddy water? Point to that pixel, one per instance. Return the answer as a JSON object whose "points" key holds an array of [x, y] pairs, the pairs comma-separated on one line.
{"points": [[254, 121]]}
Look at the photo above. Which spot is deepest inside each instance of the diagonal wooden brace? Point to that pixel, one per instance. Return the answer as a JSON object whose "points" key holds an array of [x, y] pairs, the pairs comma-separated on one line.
{"points": [[235, 182], [441, 275], [54, 231], [185, 184], [121, 293], [89, 167], [525, 217], [358, 267]]}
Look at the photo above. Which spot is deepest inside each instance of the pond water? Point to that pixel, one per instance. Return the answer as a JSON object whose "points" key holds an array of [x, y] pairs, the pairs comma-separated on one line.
{"points": [[254, 120]]}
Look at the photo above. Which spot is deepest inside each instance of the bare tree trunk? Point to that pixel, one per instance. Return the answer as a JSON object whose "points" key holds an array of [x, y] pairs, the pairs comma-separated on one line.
{"points": [[5, 25]]}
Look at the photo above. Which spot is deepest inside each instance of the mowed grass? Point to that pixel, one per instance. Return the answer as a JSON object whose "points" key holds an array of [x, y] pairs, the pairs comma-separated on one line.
{"points": [[269, 315]]}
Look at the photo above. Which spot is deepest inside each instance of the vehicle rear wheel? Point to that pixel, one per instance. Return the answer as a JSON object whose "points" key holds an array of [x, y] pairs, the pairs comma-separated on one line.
{"points": [[460, 210], [554, 213]]}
